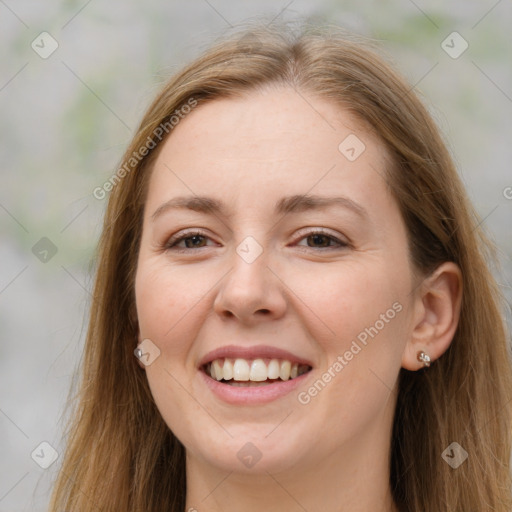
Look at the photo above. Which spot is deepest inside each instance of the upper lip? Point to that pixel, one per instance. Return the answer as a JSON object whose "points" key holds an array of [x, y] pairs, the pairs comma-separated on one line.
{"points": [[253, 352]]}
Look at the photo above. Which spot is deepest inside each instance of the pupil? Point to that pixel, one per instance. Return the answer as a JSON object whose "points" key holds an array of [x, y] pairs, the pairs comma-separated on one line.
{"points": [[317, 237], [189, 242]]}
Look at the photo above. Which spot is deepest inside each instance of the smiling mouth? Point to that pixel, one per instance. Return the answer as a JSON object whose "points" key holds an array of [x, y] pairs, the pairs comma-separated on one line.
{"points": [[253, 372]]}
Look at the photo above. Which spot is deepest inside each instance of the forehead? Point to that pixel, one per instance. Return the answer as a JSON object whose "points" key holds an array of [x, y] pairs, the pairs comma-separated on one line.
{"points": [[272, 141]]}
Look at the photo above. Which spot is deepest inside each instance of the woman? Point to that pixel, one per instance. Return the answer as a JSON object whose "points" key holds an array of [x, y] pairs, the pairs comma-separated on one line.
{"points": [[289, 253]]}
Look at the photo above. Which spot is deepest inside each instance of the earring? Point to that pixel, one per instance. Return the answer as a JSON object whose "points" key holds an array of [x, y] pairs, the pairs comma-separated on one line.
{"points": [[424, 358]]}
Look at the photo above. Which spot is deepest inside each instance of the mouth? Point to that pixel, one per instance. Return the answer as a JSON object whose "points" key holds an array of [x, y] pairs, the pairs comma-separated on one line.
{"points": [[257, 372], [242, 375]]}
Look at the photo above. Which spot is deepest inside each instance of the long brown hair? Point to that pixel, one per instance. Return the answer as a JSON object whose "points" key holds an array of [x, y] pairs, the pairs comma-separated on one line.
{"points": [[120, 453]]}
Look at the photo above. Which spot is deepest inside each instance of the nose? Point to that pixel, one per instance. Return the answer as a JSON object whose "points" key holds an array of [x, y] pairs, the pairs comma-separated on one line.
{"points": [[250, 292]]}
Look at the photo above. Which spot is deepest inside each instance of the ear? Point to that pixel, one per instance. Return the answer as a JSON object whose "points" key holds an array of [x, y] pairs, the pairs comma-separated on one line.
{"points": [[436, 314]]}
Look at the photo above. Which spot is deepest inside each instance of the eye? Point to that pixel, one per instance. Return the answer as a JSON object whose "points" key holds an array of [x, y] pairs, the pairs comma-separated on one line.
{"points": [[317, 239], [191, 239], [322, 239]]}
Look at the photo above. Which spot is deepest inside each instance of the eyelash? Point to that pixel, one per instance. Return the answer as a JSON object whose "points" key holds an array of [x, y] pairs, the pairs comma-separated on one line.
{"points": [[170, 245]]}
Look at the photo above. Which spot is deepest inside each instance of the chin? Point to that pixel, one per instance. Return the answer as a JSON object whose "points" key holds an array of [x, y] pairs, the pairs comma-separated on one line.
{"points": [[253, 458]]}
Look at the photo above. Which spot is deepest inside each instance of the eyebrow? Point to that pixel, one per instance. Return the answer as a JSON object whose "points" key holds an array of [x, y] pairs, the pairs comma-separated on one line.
{"points": [[289, 204]]}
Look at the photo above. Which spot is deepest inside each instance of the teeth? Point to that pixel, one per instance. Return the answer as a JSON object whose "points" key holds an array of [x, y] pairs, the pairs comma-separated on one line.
{"points": [[244, 371], [227, 369], [284, 371], [217, 370], [273, 369], [240, 369], [258, 371]]}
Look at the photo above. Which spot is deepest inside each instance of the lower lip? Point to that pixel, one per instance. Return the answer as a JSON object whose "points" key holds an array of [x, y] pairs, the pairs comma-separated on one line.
{"points": [[252, 395]]}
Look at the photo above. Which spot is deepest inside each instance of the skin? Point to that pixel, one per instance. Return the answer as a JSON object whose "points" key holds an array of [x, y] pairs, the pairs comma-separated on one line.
{"points": [[333, 452]]}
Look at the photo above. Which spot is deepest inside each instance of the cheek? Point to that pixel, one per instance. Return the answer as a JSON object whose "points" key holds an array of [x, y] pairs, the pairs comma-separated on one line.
{"points": [[167, 304], [168, 308], [351, 298], [362, 335]]}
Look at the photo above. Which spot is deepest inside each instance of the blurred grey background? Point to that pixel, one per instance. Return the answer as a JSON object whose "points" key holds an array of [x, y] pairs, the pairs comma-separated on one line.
{"points": [[68, 112]]}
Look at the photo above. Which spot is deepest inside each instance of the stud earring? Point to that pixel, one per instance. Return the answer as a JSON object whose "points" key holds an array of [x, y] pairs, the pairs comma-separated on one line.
{"points": [[424, 358]]}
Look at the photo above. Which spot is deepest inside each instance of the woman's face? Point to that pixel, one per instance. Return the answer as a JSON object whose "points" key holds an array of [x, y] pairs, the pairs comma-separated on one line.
{"points": [[299, 281]]}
